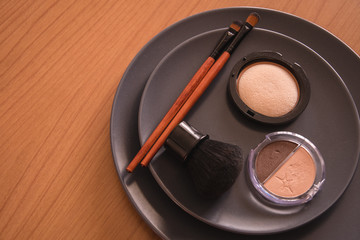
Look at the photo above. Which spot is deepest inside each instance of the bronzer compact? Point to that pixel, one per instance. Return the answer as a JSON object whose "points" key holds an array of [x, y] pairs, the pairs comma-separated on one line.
{"points": [[286, 169], [269, 89]]}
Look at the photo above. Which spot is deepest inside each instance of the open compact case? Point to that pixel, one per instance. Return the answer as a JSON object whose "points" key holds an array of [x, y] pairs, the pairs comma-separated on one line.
{"points": [[286, 169], [319, 130]]}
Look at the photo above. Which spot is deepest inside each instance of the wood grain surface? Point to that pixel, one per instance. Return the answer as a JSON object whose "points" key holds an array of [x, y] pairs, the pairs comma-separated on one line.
{"points": [[60, 65]]}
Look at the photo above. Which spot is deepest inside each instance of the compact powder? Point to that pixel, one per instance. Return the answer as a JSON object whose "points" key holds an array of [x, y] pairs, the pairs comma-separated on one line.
{"points": [[268, 88], [286, 168]]}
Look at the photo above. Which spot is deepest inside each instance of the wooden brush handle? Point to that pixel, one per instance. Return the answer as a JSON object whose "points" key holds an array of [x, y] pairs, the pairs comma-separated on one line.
{"points": [[212, 73], [183, 97]]}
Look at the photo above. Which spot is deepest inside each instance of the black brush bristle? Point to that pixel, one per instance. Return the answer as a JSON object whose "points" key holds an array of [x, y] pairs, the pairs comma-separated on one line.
{"points": [[214, 167]]}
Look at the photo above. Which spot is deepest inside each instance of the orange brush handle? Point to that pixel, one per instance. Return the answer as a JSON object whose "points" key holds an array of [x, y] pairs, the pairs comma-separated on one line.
{"points": [[209, 77], [183, 97]]}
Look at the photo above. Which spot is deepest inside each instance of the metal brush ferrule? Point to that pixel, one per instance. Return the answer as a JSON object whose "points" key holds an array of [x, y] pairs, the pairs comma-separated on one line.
{"points": [[224, 42], [183, 139]]}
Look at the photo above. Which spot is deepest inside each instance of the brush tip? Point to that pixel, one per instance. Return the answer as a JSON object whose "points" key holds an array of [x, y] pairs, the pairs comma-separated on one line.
{"points": [[236, 25], [253, 19]]}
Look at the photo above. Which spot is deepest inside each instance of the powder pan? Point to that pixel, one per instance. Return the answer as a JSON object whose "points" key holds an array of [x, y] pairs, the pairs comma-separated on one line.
{"points": [[294, 69], [295, 174]]}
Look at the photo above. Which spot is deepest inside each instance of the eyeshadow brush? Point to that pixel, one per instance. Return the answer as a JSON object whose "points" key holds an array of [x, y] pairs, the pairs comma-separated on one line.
{"points": [[213, 165], [189, 89], [251, 21]]}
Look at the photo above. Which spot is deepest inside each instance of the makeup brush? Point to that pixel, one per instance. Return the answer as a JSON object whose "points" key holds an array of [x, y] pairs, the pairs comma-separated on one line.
{"points": [[251, 21], [213, 165], [189, 89]]}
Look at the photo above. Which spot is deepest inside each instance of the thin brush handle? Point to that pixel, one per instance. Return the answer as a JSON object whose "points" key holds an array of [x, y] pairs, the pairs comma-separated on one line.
{"points": [[209, 77], [251, 21], [186, 93]]}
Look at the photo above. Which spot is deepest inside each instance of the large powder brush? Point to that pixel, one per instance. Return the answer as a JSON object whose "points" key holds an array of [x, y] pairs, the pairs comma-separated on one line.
{"points": [[213, 165]]}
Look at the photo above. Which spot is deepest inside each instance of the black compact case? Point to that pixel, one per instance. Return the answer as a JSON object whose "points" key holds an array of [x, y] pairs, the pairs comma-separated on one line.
{"points": [[274, 57]]}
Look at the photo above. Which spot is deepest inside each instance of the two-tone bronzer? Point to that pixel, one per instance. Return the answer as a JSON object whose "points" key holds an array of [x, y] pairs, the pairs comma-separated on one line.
{"points": [[286, 168]]}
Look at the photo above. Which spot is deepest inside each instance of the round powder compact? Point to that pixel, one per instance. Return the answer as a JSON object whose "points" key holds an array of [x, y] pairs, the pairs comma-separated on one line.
{"points": [[286, 169], [269, 89]]}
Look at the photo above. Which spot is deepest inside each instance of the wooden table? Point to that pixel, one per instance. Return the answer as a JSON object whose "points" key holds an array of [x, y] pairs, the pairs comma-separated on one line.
{"points": [[60, 65]]}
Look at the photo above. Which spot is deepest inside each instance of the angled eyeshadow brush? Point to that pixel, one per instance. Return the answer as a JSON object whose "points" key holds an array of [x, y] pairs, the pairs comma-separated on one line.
{"points": [[251, 21], [189, 89]]}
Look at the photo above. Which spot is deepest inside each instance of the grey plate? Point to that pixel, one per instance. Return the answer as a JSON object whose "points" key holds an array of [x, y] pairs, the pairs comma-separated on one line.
{"points": [[330, 121], [165, 217]]}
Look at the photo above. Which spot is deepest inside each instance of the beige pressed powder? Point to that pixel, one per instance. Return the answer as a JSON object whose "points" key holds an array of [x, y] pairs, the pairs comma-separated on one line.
{"points": [[268, 88]]}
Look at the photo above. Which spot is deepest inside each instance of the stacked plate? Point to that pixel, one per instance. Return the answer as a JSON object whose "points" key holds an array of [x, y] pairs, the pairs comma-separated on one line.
{"points": [[165, 196]]}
